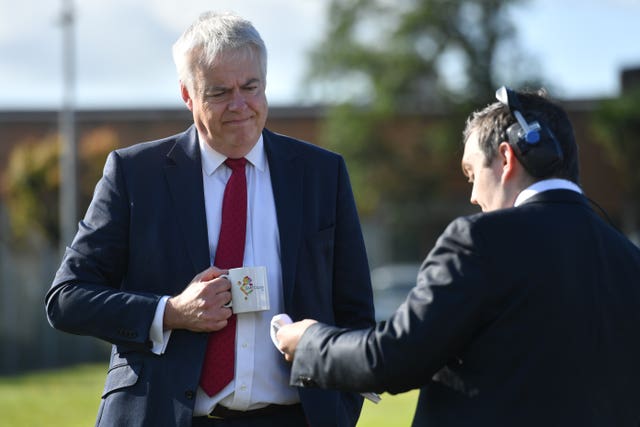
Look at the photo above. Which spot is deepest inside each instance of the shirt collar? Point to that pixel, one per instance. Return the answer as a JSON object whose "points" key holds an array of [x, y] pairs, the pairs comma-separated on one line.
{"points": [[211, 159], [545, 185]]}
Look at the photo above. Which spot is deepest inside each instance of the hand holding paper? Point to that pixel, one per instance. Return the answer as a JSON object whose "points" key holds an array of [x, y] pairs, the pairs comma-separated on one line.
{"points": [[277, 322], [285, 336]]}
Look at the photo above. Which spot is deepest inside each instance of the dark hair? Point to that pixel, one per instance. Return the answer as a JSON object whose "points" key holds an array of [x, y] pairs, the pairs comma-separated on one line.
{"points": [[491, 125]]}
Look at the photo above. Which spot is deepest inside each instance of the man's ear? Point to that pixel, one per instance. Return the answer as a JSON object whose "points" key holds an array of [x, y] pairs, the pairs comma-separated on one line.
{"points": [[186, 97], [510, 164]]}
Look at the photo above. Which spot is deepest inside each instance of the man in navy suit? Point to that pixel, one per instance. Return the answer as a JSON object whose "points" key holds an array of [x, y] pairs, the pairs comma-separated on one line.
{"points": [[524, 315], [140, 272]]}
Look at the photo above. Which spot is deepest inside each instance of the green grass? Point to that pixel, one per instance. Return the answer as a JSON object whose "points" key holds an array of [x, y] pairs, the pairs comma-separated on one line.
{"points": [[396, 411], [58, 398], [70, 397]]}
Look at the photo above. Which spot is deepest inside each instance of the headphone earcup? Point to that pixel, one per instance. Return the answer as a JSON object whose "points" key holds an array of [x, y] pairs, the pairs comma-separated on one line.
{"points": [[538, 158]]}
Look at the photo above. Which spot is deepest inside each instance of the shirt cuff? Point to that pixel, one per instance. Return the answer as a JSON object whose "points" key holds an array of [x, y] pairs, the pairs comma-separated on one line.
{"points": [[159, 337]]}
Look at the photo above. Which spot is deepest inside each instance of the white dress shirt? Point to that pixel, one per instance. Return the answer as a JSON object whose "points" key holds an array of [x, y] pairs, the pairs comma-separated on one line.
{"points": [[261, 377], [546, 185]]}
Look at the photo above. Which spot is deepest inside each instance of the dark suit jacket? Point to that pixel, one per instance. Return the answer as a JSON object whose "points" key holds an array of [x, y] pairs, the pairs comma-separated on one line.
{"points": [[526, 316], [144, 236]]}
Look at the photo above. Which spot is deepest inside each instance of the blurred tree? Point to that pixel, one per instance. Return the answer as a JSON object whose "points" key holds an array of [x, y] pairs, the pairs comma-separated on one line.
{"points": [[382, 61], [31, 183], [385, 59], [402, 55], [616, 126]]}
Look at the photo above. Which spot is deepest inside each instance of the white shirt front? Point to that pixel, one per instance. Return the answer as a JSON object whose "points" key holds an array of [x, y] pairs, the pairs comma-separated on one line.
{"points": [[261, 375]]}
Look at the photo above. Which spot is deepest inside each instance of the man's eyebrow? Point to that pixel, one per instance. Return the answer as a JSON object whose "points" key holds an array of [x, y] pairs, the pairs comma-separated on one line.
{"points": [[464, 166], [217, 87], [252, 81]]}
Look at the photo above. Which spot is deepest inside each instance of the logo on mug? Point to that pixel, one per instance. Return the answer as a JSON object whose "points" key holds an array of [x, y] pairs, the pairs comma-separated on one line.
{"points": [[246, 286]]}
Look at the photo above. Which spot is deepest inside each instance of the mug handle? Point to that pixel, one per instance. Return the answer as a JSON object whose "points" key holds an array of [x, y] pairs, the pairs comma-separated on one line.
{"points": [[230, 303]]}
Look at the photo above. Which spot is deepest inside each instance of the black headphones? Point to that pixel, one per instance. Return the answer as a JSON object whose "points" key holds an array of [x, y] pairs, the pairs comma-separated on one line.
{"points": [[535, 146]]}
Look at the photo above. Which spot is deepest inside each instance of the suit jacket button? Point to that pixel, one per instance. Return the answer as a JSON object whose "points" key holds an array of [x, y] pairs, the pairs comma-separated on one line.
{"points": [[189, 394], [306, 381]]}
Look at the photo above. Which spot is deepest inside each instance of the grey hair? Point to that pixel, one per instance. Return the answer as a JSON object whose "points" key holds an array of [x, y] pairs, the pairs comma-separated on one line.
{"points": [[211, 35]]}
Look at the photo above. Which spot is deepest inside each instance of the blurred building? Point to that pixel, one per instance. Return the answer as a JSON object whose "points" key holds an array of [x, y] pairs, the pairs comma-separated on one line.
{"points": [[132, 126]]}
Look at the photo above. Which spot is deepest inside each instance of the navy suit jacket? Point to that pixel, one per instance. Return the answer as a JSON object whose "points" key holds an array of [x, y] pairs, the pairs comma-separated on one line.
{"points": [[145, 235], [520, 317]]}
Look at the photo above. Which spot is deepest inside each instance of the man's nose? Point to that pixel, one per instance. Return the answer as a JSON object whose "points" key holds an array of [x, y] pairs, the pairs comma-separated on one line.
{"points": [[237, 101], [473, 199]]}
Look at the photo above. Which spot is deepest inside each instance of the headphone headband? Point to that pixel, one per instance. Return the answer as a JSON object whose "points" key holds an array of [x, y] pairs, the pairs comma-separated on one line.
{"points": [[535, 146]]}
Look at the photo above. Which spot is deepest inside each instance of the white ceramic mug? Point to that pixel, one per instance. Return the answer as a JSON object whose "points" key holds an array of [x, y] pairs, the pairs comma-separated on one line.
{"points": [[249, 291]]}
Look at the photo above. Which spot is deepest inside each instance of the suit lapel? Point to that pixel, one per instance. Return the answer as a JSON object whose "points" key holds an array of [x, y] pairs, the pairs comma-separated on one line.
{"points": [[183, 172], [287, 183]]}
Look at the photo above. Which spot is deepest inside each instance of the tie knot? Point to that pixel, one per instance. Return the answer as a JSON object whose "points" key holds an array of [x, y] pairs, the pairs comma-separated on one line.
{"points": [[236, 164]]}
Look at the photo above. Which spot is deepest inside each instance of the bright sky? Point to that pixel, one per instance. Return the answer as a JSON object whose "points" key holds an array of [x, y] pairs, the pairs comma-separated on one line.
{"points": [[124, 47]]}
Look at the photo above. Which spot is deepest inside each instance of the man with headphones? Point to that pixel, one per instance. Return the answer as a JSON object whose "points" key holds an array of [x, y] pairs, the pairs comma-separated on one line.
{"points": [[524, 315]]}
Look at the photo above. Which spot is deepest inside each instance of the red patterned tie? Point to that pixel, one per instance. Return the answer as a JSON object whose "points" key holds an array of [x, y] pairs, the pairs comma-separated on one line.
{"points": [[218, 367]]}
